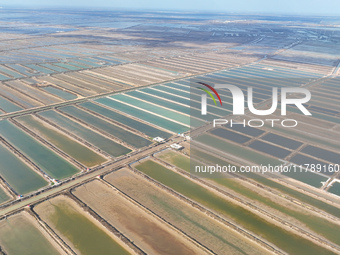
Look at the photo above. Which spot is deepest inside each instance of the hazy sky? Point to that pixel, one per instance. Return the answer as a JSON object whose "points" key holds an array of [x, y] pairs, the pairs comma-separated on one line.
{"points": [[320, 7]]}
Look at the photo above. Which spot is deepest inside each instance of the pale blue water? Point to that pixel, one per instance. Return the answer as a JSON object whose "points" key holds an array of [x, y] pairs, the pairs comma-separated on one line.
{"points": [[10, 72], [144, 128], [8, 106], [159, 110], [120, 133], [45, 158], [63, 94], [92, 137], [148, 117], [21, 177], [40, 69]]}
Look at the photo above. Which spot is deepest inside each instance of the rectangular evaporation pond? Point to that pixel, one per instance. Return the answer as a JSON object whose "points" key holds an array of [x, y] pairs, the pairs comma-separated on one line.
{"points": [[54, 68], [52, 55], [270, 149], [91, 60], [3, 195], [33, 92], [159, 110], [300, 159], [322, 154], [117, 59], [84, 84], [171, 105], [148, 117], [29, 81], [68, 67], [45, 158], [40, 69], [207, 231], [78, 229], [19, 234], [266, 181], [329, 230], [195, 101], [120, 133], [185, 81], [60, 93], [69, 86], [59, 52], [242, 79], [285, 240], [281, 140], [21, 99], [335, 189], [107, 60], [87, 134], [117, 83], [71, 147], [323, 110], [144, 128], [149, 234], [287, 70], [208, 158], [177, 86], [159, 68], [78, 65], [20, 69], [316, 115], [178, 89], [3, 77], [18, 174], [229, 135], [246, 130], [10, 72], [177, 159], [156, 90], [238, 151], [194, 106], [90, 64], [310, 178], [94, 80], [8, 106], [306, 177], [167, 87]]}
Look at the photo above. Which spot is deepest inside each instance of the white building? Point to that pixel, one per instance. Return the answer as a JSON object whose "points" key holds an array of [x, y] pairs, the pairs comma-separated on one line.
{"points": [[176, 146], [159, 139]]}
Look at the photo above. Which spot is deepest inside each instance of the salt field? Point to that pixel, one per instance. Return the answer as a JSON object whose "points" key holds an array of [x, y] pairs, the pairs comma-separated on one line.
{"points": [[244, 218], [19, 175], [146, 129], [98, 140], [111, 129], [27, 237], [76, 150], [81, 232], [110, 141], [44, 158]]}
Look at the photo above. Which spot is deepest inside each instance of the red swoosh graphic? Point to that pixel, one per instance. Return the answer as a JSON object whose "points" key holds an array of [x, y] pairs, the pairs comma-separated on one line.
{"points": [[213, 90]]}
